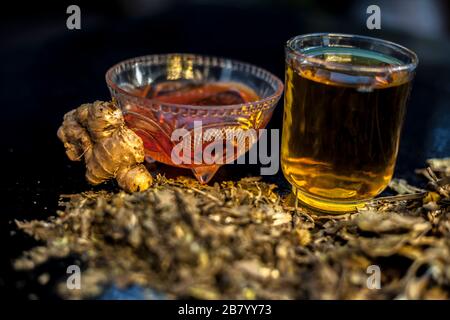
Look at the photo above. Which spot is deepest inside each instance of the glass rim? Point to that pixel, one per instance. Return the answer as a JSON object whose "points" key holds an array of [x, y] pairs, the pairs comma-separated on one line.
{"points": [[111, 83], [358, 68]]}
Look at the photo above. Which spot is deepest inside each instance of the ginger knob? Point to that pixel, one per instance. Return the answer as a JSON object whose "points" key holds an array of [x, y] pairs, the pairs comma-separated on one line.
{"points": [[96, 132]]}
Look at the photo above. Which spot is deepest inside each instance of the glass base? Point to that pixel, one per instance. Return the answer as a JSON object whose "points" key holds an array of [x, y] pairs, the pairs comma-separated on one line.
{"points": [[327, 206], [204, 174]]}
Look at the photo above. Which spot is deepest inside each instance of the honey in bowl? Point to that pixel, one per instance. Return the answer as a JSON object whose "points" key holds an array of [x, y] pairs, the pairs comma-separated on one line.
{"points": [[185, 92], [189, 92], [164, 99]]}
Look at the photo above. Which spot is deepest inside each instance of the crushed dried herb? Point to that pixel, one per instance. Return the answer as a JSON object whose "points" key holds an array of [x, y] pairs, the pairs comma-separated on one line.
{"points": [[242, 240]]}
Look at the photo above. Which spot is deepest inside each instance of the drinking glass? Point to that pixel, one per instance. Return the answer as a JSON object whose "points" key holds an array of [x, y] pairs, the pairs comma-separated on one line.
{"points": [[345, 101]]}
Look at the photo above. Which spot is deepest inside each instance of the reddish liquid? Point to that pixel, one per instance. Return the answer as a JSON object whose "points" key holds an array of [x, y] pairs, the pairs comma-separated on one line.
{"points": [[198, 94], [155, 126]]}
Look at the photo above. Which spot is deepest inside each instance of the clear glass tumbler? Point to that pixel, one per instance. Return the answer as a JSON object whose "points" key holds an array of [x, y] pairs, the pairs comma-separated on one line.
{"points": [[345, 100]]}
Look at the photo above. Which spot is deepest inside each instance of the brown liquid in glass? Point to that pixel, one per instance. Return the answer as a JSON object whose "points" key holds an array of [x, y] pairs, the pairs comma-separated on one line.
{"points": [[340, 138]]}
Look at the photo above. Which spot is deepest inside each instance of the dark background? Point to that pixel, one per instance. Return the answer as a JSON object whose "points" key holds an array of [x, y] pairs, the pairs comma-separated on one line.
{"points": [[46, 70]]}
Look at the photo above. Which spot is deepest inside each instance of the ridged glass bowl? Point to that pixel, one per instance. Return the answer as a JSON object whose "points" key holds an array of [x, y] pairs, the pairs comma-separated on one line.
{"points": [[155, 121]]}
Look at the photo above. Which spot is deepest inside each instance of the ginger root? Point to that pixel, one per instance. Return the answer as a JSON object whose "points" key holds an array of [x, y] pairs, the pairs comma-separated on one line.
{"points": [[96, 132]]}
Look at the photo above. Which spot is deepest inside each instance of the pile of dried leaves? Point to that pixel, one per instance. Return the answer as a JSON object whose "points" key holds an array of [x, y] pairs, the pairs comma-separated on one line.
{"points": [[241, 240]]}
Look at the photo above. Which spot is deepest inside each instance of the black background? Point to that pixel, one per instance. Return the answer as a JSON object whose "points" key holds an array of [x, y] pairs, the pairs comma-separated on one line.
{"points": [[46, 70]]}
